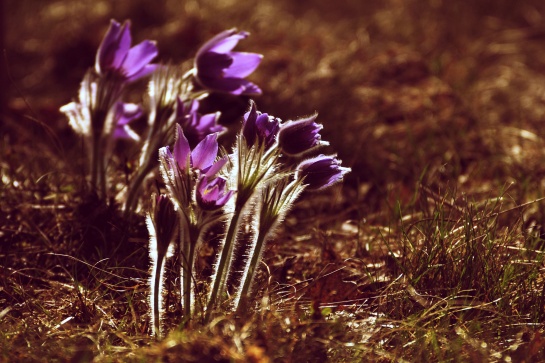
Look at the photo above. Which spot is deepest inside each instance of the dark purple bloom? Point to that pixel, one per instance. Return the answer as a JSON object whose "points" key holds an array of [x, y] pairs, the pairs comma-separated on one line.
{"points": [[297, 137], [220, 69], [195, 125], [260, 127], [203, 155], [115, 55], [125, 113], [212, 194], [321, 172]]}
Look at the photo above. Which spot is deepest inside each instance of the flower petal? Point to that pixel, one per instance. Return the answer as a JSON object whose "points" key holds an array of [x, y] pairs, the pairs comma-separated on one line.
{"points": [[223, 42], [182, 151], [138, 57], [243, 64], [205, 153], [214, 169], [212, 64], [235, 86], [114, 47]]}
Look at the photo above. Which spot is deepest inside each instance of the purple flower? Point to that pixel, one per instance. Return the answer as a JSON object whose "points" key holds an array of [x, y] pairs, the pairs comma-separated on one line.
{"points": [[320, 172], [125, 113], [260, 127], [297, 137], [212, 194], [115, 55], [203, 155], [195, 125], [220, 69]]}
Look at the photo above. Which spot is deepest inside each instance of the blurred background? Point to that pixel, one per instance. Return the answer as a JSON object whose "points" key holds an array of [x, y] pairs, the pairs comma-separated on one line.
{"points": [[406, 89]]}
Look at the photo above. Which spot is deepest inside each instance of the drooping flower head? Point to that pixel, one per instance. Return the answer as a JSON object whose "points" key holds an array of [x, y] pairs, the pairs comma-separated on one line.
{"points": [[195, 125], [220, 69], [300, 136], [212, 194], [260, 127], [321, 172], [125, 113], [115, 55]]}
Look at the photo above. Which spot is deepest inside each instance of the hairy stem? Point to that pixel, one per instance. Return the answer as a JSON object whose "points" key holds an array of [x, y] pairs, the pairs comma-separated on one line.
{"points": [[157, 278], [219, 280]]}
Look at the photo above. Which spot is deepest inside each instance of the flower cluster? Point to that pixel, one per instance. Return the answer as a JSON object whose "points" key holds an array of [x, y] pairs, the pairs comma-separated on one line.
{"points": [[102, 118], [271, 163]]}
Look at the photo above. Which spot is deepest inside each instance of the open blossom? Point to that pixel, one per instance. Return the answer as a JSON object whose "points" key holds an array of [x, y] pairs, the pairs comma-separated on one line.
{"points": [[125, 113], [203, 155], [297, 137], [321, 172], [212, 193], [260, 127], [220, 69], [115, 55], [195, 125]]}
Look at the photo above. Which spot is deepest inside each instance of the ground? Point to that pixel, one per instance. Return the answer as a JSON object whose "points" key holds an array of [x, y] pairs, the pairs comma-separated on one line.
{"points": [[431, 250]]}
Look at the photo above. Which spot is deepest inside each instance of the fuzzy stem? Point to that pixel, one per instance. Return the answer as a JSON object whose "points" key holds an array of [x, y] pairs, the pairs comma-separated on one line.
{"points": [[223, 266], [243, 294], [157, 277], [188, 261]]}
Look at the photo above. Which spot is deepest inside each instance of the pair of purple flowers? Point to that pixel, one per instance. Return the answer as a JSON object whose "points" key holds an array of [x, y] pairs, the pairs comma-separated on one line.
{"points": [[217, 67]]}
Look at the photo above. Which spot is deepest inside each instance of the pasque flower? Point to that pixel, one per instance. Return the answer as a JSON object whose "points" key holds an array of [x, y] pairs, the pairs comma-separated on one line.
{"points": [[115, 55], [195, 125], [220, 69], [203, 155], [125, 113], [297, 137], [212, 193], [321, 172], [260, 127]]}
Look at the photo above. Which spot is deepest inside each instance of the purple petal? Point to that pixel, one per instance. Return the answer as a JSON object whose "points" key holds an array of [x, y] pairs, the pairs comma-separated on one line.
{"points": [[321, 171], [214, 169], [235, 86], [205, 153], [114, 47], [125, 132], [249, 129], [182, 151], [223, 42], [243, 64], [127, 112], [223, 200], [145, 71], [212, 64], [139, 56]]}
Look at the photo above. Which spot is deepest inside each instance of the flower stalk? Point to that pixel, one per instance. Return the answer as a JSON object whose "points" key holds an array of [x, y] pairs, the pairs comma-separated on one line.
{"points": [[276, 200]]}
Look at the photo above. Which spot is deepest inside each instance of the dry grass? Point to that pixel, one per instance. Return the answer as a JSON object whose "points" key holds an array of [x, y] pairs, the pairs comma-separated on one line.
{"points": [[432, 251]]}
